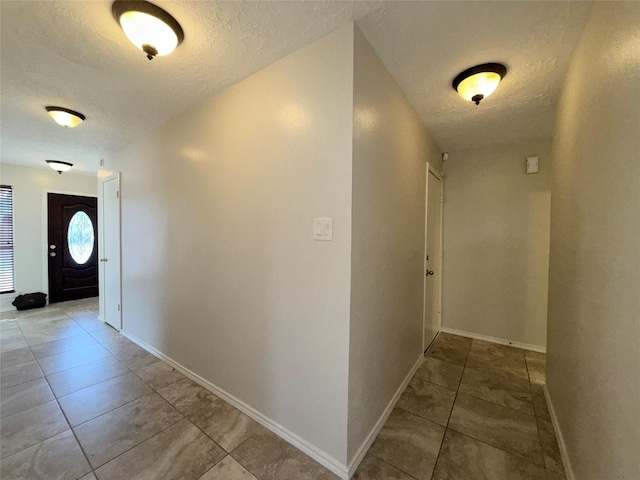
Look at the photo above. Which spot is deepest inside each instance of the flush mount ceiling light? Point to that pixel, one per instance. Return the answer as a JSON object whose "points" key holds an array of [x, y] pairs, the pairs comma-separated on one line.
{"points": [[148, 27], [477, 83], [65, 117], [59, 166]]}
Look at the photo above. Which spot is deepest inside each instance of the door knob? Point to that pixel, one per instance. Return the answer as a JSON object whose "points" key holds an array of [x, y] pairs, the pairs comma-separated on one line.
{"points": [[52, 247], [52, 254], [103, 259], [429, 272]]}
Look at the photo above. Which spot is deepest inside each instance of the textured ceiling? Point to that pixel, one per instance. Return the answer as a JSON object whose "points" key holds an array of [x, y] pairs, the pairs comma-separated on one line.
{"points": [[74, 54]]}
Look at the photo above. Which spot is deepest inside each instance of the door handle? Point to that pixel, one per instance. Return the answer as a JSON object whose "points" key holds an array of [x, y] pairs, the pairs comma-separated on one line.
{"points": [[52, 254], [103, 259], [429, 272]]}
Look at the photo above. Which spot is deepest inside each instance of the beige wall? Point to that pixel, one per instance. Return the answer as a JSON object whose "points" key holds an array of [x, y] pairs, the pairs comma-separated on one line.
{"points": [[390, 151], [593, 358], [29, 205], [220, 271], [496, 242]]}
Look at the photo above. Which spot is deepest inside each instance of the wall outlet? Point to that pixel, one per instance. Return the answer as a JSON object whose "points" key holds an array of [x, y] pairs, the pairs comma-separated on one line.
{"points": [[323, 229]]}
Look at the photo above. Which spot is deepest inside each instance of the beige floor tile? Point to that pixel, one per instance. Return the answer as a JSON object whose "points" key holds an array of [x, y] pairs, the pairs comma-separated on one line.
{"points": [[463, 457], [225, 424], [89, 476], [427, 400], [58, 458], [540, 403], [106, 335], [63, 345], [74, 358], [505, 390], [441, 373], [132, 355], [159, 375], [79, 378], [88, 321], [24, 396], [115, 432], [409, 443], [228, 469], [93, 401], [268, 457], [501, 427], [372, 468], [451, 349], [555, 475], [179, 452], [30, 427], [15, 358], [42, 332], [549, 444], [8, 344], [188, 397], [20, 374], [498, 359], [537, 366]]}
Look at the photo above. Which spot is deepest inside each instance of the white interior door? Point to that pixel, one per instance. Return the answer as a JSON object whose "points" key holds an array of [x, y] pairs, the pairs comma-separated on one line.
{"points": [[110, 254], [433, 257]]}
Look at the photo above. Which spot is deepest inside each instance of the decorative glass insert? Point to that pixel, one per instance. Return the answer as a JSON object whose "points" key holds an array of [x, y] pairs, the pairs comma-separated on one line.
{"points": [[80, 237]]}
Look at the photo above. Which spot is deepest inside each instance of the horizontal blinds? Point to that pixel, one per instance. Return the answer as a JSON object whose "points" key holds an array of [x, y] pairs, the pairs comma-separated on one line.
{"points": [[6, 239]]}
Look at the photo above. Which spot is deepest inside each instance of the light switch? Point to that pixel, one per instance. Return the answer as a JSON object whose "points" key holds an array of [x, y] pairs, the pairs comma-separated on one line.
{"points": [[323, 229], [532, 164]]}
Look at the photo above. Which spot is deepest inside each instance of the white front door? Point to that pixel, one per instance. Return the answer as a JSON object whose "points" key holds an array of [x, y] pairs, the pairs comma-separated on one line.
{"points": [[110, 257], [433, 257]]}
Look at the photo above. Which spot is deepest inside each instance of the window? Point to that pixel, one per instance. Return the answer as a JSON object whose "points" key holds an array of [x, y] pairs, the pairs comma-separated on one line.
{"points": [[80, 237], [6, 239]]}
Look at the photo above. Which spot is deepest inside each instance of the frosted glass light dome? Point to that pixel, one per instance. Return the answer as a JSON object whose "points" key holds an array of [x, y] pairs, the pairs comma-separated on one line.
{"points": [[477, 83], [148, 27]]}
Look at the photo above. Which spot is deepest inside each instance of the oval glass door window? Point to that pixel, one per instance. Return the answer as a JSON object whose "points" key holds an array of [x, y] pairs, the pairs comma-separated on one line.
{"points": [[80, 237]]}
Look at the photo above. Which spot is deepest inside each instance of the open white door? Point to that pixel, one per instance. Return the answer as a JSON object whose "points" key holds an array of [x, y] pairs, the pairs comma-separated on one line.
{"points": [[433, 257], [110, 265]]}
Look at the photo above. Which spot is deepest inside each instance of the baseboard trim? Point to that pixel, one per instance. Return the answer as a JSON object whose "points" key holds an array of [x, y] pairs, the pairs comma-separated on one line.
{"points": [[353, 465], [501, 341], [318, 455], [564, 455]]}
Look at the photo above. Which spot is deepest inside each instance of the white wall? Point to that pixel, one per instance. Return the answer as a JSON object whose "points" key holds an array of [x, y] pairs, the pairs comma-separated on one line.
{"points": [[496, 242], [390, 151], [593, 357], [29, 205], [220, 271]]}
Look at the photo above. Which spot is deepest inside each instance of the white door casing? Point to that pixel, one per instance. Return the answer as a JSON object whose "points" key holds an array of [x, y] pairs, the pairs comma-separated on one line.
{"points": [[110, 262], [433, 257]]}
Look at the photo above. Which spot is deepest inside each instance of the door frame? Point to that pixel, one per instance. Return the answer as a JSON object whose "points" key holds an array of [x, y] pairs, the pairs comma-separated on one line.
{"points": [[431, 170], [101, 273], [45, 231]]}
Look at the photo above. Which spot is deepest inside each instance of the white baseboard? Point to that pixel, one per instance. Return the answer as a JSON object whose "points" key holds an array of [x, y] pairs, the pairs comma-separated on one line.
{"points": [[501, 341], [568, 470], [318, 455], [353, 465]]}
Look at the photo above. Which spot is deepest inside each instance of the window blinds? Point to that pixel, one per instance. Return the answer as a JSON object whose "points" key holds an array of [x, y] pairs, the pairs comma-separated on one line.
{"points": [[6, 239]]}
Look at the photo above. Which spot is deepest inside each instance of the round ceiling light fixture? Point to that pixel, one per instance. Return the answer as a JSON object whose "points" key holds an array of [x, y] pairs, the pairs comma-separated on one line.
{"points": [[59, 166], [148, 27], [477, 83], [65, 117]]}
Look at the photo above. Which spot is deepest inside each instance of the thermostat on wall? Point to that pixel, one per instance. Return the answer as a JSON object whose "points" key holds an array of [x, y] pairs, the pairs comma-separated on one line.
{"points": [[532, 164]]}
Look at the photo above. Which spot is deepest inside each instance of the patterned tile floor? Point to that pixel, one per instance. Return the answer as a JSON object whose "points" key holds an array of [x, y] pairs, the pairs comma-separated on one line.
{"points": [[80, 401]]}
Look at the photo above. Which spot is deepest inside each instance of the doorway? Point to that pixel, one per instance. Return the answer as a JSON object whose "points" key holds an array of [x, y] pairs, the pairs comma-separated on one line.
{"points": [[110, 264], [72, 247], [433, 257]]}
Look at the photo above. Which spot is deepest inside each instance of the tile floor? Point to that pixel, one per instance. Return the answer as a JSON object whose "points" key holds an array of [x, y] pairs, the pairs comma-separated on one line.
{"points": [[80, 401]]}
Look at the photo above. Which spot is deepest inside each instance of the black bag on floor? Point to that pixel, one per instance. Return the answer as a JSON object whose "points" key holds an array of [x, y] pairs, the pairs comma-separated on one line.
{"points": [[30, 300]]}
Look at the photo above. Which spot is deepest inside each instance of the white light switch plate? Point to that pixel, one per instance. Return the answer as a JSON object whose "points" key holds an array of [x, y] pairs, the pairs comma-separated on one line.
{"points": [[323, 229], [532, 164]]}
